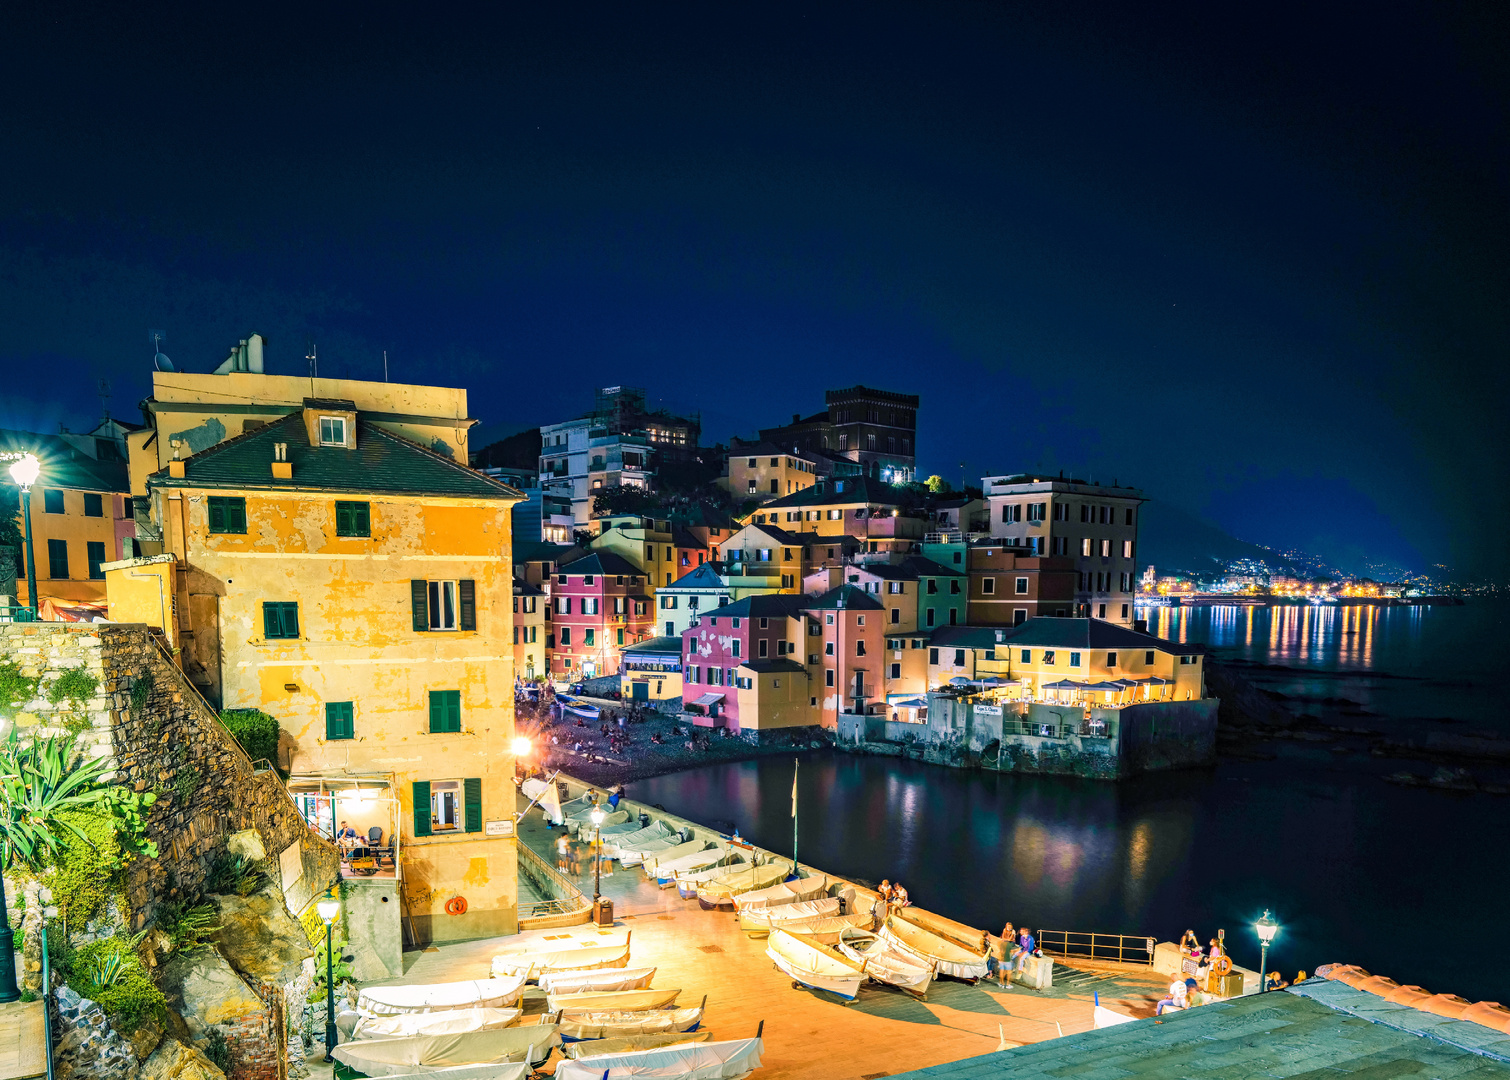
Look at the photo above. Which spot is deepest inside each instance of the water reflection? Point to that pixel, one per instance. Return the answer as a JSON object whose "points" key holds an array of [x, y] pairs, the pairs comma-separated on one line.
{"points": [[1306, 635]]}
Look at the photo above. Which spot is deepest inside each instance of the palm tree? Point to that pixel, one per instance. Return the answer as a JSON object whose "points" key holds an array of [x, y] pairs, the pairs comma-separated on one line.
{"points": [[39, 780]]}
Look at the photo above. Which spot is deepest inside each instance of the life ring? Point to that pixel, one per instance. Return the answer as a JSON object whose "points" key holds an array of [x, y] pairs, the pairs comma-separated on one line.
{"points": [[457, 905], [1222, 966]]}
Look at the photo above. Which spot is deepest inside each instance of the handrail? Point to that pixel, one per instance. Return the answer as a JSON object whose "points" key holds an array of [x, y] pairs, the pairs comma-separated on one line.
{"points": [[532, 864], [18, 613], [188, 684], [1081, 945]]}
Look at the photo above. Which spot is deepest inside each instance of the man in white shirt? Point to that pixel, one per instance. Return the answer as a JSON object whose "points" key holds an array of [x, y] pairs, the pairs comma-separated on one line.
{"points": [[1177, 997]]}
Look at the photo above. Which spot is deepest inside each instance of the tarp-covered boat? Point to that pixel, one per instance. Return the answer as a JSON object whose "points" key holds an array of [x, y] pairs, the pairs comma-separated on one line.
{"points": [[687, 1061], [594, 1047], [561, 957], [450, 1022], [758, 921], [616, 1000], [720, 892], [426, 1053], [814, 964], [966, 937], [656, 830], [947, 957], [634, 854], [667, 870], [496, 993], [580, 982], [611, 1024], [652, 860], [783, 892], [520, 1071], [689, 881], [884, 963], [826, 930]]}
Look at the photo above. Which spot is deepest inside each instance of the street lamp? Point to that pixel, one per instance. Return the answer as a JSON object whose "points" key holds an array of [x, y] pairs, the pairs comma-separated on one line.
{"points": [[329, 907], [521, 747], [597, 851], [48, 912], [1266, 928], [25, 472]]}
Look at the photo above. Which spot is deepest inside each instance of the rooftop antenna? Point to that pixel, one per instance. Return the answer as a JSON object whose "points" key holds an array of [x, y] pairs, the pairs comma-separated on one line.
{"points": [[385, 365], [160, 362], [314, 361]]}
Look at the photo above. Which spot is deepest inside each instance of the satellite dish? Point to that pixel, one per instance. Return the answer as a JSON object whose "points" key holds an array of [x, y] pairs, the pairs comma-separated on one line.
{"points": [[160, 361]]}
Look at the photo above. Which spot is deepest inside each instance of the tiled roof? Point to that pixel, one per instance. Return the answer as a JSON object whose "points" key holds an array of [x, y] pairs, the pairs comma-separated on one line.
{"points": [[1054, 632], [970, 637], [539, 551], [780, 535], [854, 600], [858, 490], [382, 463], [767, 606], [599, 563], [657, 645], [703, 576], [65, 466], [762, 667], [909, 569]]}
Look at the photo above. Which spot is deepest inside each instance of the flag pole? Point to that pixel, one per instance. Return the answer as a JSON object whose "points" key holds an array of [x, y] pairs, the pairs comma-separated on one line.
{"points": [[795, 763]]}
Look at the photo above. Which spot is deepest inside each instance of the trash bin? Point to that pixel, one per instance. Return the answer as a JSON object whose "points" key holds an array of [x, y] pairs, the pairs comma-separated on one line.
{"points": [[602, 911]]}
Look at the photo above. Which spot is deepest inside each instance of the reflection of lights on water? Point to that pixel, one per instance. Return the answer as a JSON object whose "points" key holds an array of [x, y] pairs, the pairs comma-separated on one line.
{"points": [[1138, 845]]}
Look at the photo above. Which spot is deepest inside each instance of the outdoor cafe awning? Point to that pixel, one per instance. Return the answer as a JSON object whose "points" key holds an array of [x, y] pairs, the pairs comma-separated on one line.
{"points": [[1064, 684], [709, 699], [910, 703]]}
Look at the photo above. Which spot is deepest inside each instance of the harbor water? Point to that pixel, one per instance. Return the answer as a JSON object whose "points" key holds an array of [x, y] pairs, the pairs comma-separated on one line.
{"points": [[1408, 882]]}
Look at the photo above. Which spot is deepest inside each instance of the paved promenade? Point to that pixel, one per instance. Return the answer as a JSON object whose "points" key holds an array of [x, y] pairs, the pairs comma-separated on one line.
{"points": [[807, 1034]]}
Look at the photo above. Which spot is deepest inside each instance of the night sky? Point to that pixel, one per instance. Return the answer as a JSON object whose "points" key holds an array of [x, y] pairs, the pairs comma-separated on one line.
{"points": [[1253, 261]]}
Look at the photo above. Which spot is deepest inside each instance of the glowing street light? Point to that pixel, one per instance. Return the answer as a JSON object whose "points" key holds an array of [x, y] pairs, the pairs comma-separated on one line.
{"points": [[521, 747], [1265, 928], [24, 471], [328, 907]]}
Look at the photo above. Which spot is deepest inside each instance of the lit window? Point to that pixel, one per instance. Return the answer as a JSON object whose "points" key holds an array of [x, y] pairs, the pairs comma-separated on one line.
{"points": [[442, 605]]}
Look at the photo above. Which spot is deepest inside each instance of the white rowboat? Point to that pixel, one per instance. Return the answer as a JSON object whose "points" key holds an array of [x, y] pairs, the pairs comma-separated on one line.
{"points": [[497, 993], [815, 965], [686, 1061]]}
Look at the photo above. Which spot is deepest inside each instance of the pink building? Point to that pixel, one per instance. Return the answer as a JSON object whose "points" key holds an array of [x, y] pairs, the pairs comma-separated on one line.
{"points": [[722, 641], [599, 605]]}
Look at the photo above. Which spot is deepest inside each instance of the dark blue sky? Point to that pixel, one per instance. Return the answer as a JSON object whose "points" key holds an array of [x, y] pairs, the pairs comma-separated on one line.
{"points": [[1253, 262]]}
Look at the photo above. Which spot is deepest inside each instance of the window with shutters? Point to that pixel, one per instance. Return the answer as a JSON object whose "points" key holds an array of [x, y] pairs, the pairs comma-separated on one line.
{"points": [[52, 501], [96, 552], [442, 806], [443, 605], [94, 504], [280, 620], [227, 514], [353, 519], [1074, 659], [339, 720], [57, 559], [1085, 545], [933, 656], [589, 638], [445, 711]]}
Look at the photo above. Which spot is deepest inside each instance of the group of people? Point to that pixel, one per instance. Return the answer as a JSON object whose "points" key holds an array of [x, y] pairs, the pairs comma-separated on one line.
{"points": [[1009, 952], [893, 896]]}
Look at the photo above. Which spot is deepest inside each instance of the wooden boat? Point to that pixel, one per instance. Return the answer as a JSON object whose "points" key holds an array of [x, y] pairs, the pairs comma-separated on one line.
{"points": [[885, 964], [450, 1022], [634, 854], [667, 868], [656, 830], [518, 1071], [688, 883], [966, 937], [783, 892], [496, 993], [720, 892], [653, 859], [827, 930], [947, 957], [615, 1000], [757, 922], [615, 1024], [728, 1060], [428, 1053], [814, 964], [562, 957], [581, 982], [626, 1043]]}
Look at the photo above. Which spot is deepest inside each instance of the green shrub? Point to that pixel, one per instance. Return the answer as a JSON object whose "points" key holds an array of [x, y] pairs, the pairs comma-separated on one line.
{"points": [[187, 926], [217, 1050], [256, 731], [15, 688], [28, 995], [109, 972], [234, 874], [86, 870], [185, 782], [141, 690], [76, 685]]}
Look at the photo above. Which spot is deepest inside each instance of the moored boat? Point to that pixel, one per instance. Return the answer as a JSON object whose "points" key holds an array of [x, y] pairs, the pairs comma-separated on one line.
{"points": [[757, 922], [626, 1043], [720, 892], [947, 957], [814, 964], [656, 830], [782, 893], [635, 853], [652, 860], [428, 1053], [616, 1023], [827, 930], [615, 1000], [581, 982], [450, 1022], [885, 964], [688, 882], [727, 1060], [561, 957], [495, 993]]}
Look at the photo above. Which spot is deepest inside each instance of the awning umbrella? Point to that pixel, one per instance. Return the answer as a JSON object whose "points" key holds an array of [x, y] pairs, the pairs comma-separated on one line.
{"points": [[709, 699], [959, 680]]}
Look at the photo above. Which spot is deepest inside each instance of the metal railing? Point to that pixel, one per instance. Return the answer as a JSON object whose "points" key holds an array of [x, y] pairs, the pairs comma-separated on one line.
{"points": [[1106, 948], [13, 613], [547, 879]]}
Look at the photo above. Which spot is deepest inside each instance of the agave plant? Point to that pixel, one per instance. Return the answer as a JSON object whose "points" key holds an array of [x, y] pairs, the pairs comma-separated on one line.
{"points": [[38, 781]]}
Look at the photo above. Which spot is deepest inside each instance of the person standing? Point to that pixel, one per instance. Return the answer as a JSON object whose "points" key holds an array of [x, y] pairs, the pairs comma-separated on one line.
{"points": [[563, 853], [998, 949]]}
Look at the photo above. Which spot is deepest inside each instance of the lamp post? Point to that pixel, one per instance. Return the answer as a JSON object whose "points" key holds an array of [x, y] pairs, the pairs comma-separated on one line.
{"points": [[1266, 928], [24, 472], [329, 907], [597, 851], [48, 912]]}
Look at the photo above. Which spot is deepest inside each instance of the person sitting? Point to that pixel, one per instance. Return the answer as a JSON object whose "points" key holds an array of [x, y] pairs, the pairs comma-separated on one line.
{"points": [[346, 836], [1276, 981], [899, 895], [1177, 999]]}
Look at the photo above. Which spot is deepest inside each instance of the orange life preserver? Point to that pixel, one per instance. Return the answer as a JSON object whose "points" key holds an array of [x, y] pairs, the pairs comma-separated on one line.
{"points": [[457, 905], [1223, 965]]}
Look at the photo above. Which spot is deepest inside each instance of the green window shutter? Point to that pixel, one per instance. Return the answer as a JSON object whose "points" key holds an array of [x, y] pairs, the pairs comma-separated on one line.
{"points": [[362, 518], [291, 620], [343, 519], [466, 592], [472, 803], [237, 515], [421, 808], [445, 711], [353, 519], [217, 516], [419, 602], [272, 624], [339, 720]]}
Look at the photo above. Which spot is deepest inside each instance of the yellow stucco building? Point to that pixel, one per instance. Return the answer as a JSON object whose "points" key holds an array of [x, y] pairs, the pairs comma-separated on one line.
{"points": [[765, 471], [357, 587]]}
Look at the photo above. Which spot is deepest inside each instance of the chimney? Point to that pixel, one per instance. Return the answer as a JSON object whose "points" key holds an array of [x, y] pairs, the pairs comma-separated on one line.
{"points": [[176, 469], [282, 468]]}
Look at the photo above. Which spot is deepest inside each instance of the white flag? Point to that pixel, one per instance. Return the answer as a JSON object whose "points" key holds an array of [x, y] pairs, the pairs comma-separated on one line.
{"points": [[794, 789]]}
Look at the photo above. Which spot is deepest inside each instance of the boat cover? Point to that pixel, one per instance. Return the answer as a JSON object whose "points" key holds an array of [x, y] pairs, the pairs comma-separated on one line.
{"points": [[521, 1071], [685, 1061], [611, 1024], [575, 825], [653, 860], [617, 1000], [947, 957], [422, 1053], [666, 867], [783, 892], [654, 831], [634, 854], [825, 930], [884, 963], [534, 963], [580, 982], [496, 993], [725, 888], [759, 920], [435, 1023], [707, 874], [594, 1047]]}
